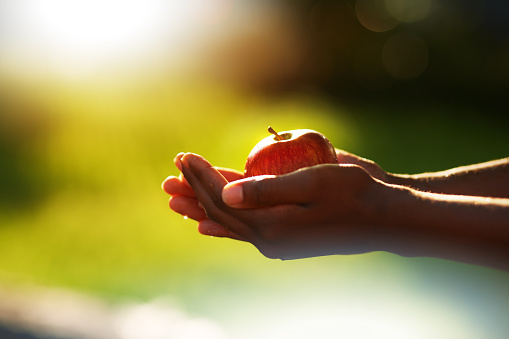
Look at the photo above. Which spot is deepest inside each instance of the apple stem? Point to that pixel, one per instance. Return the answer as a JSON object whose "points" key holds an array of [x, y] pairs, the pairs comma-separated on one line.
{"points": [[278, 137]]}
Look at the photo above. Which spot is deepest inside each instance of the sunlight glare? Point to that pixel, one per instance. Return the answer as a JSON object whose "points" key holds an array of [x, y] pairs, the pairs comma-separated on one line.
{"points": [[76, 38]]}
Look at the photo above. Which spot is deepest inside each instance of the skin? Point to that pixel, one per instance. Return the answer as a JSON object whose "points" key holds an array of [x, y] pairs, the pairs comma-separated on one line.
{"points": [[354, 207]]}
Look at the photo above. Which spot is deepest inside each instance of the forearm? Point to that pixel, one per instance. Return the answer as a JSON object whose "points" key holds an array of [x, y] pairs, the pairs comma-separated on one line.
{"points": [[489, 179], [461, 228]]}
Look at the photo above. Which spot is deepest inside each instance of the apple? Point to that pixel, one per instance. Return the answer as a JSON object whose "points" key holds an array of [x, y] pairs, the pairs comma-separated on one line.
{"points": [[289, 151]]}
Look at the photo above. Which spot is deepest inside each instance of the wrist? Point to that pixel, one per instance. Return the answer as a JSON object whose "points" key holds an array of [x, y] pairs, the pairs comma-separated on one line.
{"points": [[399, 230], [460, 228], [382, 211]]}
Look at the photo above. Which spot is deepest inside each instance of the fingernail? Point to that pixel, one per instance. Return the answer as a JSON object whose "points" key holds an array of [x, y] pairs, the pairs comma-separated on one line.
{"points": [[233, 195]]}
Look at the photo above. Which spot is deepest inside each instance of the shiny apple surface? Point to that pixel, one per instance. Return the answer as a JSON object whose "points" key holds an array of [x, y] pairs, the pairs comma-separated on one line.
{"points": [[297, 149]]}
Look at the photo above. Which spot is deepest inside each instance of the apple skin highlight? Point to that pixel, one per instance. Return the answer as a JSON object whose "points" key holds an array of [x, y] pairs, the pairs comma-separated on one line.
{"points": [[297, 149]]}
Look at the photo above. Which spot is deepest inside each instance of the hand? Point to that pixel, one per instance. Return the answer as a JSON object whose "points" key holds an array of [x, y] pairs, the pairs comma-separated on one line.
{"points": [[184, 201], [321, 210], [346, 209], [370, 166]]}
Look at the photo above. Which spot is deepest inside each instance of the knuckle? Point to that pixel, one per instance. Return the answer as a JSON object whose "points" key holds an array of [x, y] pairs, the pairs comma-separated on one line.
{"points": [[259, 193]]}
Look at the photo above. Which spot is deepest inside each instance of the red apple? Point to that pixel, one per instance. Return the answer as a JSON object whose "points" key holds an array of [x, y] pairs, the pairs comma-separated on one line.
{"points": [[289, 151]]}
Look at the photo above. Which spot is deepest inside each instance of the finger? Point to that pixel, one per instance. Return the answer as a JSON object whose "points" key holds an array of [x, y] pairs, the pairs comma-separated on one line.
{"points": [[175, 186], [345, 157], [230, 174], [188, 207], [177, 161], [208, 184], [208, 177], [184, 180], [294, 188], [209, 227]]}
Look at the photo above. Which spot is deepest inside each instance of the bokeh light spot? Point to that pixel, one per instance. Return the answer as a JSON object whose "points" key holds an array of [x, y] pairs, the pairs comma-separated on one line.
{"points": [[373, 15], [408, 10]]}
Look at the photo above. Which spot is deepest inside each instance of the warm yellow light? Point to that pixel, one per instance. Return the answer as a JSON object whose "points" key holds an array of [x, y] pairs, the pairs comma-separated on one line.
{"points": [[81, 37]]}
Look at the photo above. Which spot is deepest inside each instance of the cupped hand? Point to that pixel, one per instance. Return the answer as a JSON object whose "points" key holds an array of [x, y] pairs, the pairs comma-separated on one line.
{"points": [[320, 210], [183, 200]]}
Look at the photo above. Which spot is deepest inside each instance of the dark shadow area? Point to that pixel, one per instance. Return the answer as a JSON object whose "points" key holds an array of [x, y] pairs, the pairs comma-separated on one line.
{"points": [[449, 52]]}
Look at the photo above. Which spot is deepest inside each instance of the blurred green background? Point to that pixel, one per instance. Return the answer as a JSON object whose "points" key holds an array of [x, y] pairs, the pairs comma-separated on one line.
{"points": [[96, 98]]}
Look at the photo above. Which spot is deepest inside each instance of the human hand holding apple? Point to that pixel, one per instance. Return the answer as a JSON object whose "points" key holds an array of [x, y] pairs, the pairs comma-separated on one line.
{"points": [[300, 143], [291, 215], [318, 210], [291, 150], [344, 208], [278, 213]]}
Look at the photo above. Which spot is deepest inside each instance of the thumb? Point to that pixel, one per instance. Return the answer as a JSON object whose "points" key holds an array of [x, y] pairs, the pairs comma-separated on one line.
{"points": [[263, 191]]}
